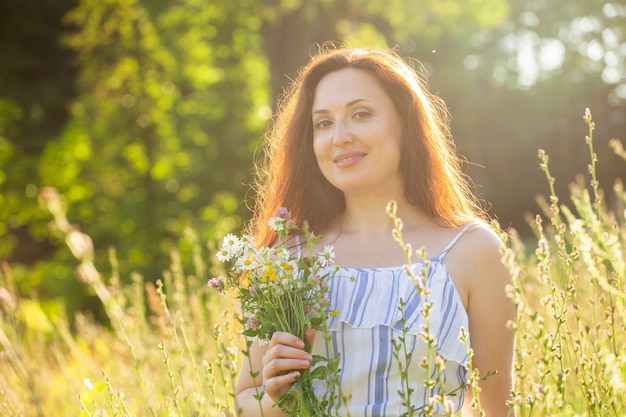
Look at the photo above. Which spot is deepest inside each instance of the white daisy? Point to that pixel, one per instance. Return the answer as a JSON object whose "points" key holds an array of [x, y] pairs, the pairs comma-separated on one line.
{"points": [[326, 257], [277, 224]]}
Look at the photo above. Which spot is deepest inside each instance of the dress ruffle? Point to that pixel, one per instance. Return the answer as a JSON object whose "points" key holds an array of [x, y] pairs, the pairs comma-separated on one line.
{"points": [[366, 298]]}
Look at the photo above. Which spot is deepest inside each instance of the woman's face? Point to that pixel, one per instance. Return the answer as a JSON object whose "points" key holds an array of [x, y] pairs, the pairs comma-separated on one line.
{"points": [[357, 134]]}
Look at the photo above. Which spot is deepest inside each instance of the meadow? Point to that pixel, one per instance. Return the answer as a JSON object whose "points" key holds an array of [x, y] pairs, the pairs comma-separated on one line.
{"points": [[172, 348]]}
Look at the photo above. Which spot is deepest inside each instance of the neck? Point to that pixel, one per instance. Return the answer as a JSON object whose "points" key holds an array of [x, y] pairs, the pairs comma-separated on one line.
{"points": [[369, 216]]}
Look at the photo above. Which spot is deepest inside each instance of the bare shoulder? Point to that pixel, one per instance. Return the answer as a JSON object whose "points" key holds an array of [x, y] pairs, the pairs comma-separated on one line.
{"points": [[475, 262], [480, 242]]}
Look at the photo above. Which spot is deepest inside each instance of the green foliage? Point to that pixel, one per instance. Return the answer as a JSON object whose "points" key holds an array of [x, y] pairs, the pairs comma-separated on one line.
{"points": [[36, 75], [162, 130], [35, 88], [433, 19]]}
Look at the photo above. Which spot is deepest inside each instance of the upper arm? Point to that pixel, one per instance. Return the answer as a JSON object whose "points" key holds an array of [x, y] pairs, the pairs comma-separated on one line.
{"points": [[490, 311], [252, 363]]}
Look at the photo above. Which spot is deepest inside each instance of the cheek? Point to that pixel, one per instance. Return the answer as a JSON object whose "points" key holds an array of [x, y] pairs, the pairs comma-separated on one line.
{"points": [[318, 148], [401, 141]]}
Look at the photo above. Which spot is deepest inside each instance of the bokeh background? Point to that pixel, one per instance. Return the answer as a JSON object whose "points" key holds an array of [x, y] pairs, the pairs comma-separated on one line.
{"points": [[146, 114]]}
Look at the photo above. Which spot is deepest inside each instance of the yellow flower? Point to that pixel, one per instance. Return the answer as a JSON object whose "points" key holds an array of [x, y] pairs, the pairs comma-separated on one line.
{"points": [[334, 313], [269, 275]]}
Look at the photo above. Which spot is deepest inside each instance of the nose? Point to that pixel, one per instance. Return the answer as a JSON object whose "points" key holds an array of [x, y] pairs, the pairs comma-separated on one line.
{"points": [[342, 134]]}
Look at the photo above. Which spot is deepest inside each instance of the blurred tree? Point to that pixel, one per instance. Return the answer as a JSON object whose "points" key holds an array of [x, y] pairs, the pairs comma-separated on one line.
{"points": [[171, 102], [576, 41], [293, 30], [533, 76], [36, 73], [36, 87]]}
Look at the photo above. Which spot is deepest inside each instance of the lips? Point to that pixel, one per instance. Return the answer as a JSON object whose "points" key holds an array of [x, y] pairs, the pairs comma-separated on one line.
{"points": [[348, 158]]}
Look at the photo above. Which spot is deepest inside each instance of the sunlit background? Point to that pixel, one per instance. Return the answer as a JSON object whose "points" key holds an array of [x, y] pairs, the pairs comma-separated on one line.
{"points": [[146, 114]]}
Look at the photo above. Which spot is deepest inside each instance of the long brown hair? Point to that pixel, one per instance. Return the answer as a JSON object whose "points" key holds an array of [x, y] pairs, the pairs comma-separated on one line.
{"points": [[289, 175]]}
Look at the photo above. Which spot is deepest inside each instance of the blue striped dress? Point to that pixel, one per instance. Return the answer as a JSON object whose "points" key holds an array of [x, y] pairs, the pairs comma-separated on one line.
{"points": [[369, 320]]}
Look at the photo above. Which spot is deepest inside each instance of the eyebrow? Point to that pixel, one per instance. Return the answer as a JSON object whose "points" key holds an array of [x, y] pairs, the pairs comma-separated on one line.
{"points": [[350, 103]]}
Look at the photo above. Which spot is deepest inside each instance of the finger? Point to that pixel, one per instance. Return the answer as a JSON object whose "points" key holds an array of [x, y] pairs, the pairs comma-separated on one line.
{"points": [[277, 386], [282, 359], [286, 351], [284, 338], [279, 367]]}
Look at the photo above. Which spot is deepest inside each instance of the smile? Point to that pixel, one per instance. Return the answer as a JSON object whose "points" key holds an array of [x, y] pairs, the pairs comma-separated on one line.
{"points": [[347, 158]]}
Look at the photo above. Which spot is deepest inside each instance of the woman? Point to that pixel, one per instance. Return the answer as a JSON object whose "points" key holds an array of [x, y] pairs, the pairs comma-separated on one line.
{"points": [[356, 130]]}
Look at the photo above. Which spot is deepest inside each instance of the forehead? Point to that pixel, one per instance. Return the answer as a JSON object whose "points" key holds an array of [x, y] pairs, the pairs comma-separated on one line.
{"points": [[346, 85]]}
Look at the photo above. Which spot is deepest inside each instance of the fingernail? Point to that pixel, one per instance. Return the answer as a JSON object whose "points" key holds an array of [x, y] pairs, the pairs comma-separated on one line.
{"points": [[308, 357], [305, 363]]}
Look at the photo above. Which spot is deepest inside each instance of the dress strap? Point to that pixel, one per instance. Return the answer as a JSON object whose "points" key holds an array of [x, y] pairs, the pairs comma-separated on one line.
{"points": [[455, 239], [298, 245]]}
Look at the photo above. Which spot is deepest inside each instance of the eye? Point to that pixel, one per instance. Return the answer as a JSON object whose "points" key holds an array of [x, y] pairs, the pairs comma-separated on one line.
{"points": [[322, 123], [361, 114]]}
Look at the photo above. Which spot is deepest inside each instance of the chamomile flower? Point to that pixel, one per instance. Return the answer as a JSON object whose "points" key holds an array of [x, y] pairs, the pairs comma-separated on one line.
{"points": [[282, 255], [281, 223], [247, 262], [223, 255], [265, 255], [231, 246], [326, 257], [278, 225]]}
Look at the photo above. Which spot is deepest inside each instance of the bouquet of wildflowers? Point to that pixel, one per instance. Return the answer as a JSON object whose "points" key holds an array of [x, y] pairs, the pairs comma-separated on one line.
{"points": [[282, 288]]}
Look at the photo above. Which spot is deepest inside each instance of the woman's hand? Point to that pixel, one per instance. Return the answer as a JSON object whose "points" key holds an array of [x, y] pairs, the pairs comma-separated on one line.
{"points": [[284, 359]]}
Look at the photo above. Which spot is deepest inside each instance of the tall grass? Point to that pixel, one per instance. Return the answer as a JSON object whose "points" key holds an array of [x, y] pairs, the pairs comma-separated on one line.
{"points": [[170, 349], [570, 356]]}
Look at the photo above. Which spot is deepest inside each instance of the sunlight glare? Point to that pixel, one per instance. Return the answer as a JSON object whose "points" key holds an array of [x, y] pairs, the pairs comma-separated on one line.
{"points": [[594, 50], [610, 38], [551, 54], [471, 62], [611, 75], [614, 10], [529, 19]]}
